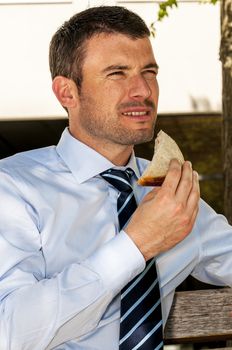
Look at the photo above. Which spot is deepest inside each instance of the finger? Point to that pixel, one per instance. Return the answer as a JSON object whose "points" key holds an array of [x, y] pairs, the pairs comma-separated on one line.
{"points": [[193, 202], [194, 196], [185, 184], [194, 215], [173, 177], [193, 218]]}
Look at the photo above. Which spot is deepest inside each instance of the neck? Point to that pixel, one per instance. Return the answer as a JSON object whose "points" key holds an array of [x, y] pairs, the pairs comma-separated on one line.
{"points": [[119, 157], [117, 154]]}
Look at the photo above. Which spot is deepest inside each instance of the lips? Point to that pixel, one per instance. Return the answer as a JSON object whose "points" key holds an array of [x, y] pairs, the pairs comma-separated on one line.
{"points": [[135, 113], [134, 109], [139, 114]]}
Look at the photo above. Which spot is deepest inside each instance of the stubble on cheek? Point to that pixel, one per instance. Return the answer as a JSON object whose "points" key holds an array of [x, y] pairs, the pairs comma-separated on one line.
{"points": [[100, 123]]}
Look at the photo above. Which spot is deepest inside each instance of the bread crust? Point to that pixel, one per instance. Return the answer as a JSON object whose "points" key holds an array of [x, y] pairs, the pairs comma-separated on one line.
{"points": [[165, 149], [151, 181]]}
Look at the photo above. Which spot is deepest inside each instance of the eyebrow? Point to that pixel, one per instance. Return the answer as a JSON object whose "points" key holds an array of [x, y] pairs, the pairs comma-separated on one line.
{"points": [[125, 67], [152, 65], [115, 67]]}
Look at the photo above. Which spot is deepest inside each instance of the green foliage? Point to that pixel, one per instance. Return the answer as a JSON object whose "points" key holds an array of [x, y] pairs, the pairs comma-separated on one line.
{"points": [[210, 1], [164, 6]]}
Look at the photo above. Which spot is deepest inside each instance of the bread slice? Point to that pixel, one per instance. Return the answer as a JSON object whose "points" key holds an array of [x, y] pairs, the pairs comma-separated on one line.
{"points": [[165, 149]]}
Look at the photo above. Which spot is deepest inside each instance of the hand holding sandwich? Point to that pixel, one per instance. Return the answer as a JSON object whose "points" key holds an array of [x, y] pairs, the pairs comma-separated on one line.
{"points": [[167, 214]]}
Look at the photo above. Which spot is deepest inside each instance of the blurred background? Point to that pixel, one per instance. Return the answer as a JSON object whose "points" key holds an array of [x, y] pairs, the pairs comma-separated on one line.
{"points": [[186, 47]]}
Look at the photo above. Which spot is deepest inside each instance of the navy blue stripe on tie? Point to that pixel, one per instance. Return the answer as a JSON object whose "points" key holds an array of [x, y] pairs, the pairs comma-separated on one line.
{"points": [[126, 203]]}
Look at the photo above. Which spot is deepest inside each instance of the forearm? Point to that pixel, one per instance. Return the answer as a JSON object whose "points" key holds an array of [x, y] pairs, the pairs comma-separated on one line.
{"points": [[69, 305], [32, 315], [215, 241]]}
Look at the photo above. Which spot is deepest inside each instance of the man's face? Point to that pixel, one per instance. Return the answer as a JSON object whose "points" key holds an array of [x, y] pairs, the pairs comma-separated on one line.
{"points": [[119, 93]]}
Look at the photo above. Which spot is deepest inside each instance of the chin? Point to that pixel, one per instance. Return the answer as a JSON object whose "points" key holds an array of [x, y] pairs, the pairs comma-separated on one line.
{"points": [[139, 142], [142, 138]]}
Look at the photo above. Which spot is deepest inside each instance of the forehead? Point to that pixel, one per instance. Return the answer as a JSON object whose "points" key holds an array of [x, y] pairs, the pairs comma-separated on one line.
{"points": [[108, 49]]}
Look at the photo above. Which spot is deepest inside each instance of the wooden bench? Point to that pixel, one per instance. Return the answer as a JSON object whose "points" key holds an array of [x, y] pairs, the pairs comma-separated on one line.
{"points": [[200, 316]]}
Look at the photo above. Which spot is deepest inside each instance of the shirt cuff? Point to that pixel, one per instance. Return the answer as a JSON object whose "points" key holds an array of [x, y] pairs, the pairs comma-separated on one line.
{"points": [[117, 262]]}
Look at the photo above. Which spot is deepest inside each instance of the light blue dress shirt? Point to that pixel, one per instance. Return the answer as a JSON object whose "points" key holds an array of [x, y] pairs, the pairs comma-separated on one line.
{"points": [[63, 261]]}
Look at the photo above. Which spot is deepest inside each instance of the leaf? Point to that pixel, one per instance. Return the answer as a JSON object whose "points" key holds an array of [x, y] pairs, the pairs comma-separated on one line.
{"points": [[163, 6]]}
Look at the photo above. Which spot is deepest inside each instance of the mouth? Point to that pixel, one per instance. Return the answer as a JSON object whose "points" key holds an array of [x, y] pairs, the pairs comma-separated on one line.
{"points": [[136, 113]]}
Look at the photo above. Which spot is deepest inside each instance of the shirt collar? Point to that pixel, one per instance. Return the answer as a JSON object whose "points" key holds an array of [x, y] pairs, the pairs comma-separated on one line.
{"points": [[83, 161]]}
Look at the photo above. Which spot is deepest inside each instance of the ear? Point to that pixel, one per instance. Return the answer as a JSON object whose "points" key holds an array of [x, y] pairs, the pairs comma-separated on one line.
{"points": [[66, 91]]}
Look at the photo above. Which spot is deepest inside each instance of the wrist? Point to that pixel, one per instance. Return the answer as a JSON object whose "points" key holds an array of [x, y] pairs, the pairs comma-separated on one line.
{"points": [[142, 246]]}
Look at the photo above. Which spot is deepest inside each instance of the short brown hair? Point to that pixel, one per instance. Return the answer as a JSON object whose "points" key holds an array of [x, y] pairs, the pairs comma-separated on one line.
{"points": [[67, 47]]}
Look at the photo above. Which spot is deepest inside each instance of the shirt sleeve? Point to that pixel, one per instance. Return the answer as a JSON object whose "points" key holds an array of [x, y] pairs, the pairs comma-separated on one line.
{"points": [[38, 312], [215, 242]]}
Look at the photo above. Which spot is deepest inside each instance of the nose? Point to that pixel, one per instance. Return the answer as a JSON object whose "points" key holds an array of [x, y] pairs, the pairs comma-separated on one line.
{"points": [[139, 88]]}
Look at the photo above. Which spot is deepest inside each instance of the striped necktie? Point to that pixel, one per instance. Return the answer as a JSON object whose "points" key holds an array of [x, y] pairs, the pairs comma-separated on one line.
{"points": [[141, 319]]}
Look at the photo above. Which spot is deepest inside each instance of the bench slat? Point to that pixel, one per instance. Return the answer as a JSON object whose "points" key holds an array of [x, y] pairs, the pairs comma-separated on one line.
{"points": [[199, 316]]}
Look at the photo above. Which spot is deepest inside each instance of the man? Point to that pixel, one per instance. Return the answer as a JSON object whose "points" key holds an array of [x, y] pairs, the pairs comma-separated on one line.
{"points": [[65, 257]]}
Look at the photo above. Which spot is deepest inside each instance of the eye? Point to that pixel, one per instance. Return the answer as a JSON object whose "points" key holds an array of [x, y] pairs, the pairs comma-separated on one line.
{"points": [[150, 73], [116, 74]]}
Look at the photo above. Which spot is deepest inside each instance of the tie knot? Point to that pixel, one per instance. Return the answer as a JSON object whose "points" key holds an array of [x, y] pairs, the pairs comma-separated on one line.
{"points": [[120, 179]]}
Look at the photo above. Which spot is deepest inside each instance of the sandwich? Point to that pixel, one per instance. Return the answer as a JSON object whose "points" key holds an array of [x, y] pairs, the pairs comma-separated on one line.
{"points": [[165, 149]]}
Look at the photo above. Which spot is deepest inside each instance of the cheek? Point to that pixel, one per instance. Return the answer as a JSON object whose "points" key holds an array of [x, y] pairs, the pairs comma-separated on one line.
{"points": [[157, 92], [154, 86], [114, 94]]}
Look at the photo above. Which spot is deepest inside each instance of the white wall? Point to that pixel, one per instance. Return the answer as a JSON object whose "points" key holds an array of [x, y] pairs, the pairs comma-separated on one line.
{"points": [[186, 47], [25, 33]]}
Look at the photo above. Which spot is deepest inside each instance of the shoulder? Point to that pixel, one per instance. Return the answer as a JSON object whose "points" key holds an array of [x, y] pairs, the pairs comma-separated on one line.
{"points": [[29, 161]]}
